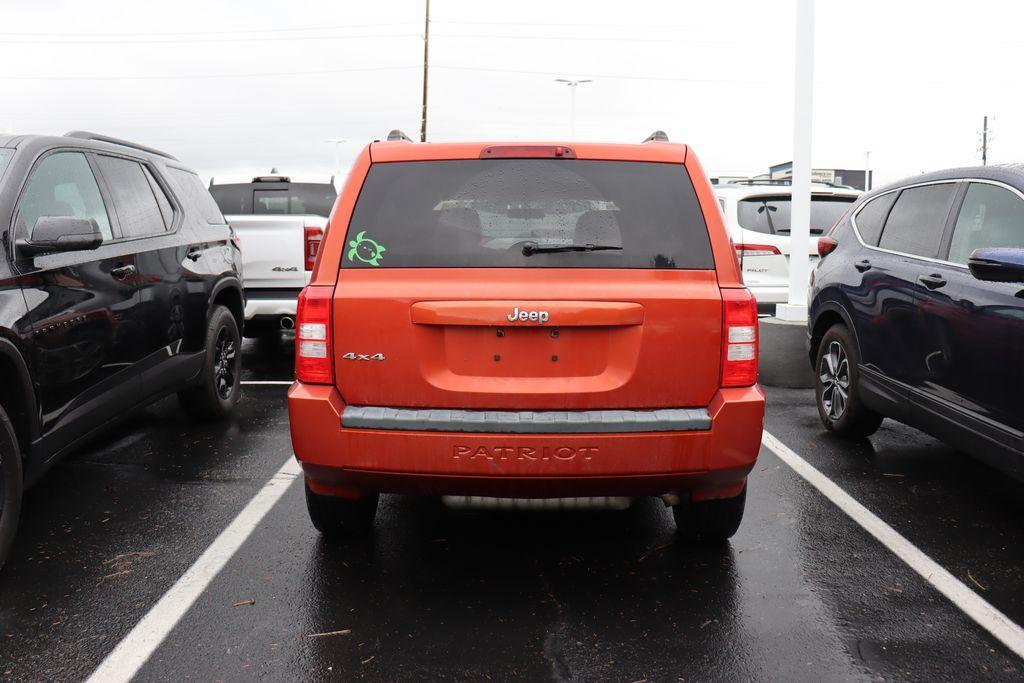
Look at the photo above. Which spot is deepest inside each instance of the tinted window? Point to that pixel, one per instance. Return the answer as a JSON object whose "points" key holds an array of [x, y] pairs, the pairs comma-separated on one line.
{"points": [[138, 214], [991, 216], [315, 199], [196, 197], [5, 159], [166, 211], [871, 217], [481, 213], [917, 219], [62, 185], [771, 215]]}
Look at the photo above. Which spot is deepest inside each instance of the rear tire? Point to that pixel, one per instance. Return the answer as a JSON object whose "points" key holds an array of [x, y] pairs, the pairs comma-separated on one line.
{"points": [[336, 517], [710, 520], [11, 483], [837, 387], [219, 385]]}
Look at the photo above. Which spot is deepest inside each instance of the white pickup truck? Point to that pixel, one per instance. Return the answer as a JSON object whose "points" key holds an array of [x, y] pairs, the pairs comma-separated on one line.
{"points": [[280, 222]]}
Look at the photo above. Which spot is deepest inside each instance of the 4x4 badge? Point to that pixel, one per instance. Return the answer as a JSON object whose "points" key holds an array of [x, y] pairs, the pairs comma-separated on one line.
{"points": [[365, 249]]}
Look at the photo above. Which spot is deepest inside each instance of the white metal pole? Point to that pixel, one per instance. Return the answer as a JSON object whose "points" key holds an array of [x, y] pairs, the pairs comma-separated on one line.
{"points": [[867, 171], [803, 106]]}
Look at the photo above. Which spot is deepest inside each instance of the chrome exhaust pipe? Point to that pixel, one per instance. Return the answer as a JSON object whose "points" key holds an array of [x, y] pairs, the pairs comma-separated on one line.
{"points": [[585, 503], [287, 322]]}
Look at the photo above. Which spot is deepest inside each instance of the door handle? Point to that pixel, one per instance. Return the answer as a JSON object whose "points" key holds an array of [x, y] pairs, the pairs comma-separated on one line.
{"points": [[933, 281], [122, 272], [862, 266], [194, 253]]}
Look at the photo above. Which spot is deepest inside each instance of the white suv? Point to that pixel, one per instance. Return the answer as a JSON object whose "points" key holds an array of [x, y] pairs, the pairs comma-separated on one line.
{"points": [[757, 214]]}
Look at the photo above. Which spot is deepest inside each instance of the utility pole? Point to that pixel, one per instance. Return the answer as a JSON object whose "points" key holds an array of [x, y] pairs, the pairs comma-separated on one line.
{"points": [[867, 171], [426, 64], [572, 101], [984, 141]]}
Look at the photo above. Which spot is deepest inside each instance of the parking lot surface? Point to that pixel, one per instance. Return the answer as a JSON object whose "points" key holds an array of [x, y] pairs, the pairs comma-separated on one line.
{"points": [[802, 591]]}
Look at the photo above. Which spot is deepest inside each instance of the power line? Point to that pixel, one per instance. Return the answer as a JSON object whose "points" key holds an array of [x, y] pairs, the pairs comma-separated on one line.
{"points": [[563, 25], [264, 74], [602, 76], [603, 39], [206, 40], [130, 34]]}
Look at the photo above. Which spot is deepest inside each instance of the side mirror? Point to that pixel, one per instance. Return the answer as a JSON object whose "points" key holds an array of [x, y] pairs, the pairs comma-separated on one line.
{"points": [[1002, 264], [61, 233]]}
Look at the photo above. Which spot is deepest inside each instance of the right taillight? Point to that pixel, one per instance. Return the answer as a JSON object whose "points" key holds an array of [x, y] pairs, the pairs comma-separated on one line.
{"points": [[739, 338], [826, 245], [314, 363], [314, 236]]}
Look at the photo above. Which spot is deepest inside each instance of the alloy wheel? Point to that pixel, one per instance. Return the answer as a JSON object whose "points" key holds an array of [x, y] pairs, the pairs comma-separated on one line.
{"points": [[834, 375], [224, 363]]}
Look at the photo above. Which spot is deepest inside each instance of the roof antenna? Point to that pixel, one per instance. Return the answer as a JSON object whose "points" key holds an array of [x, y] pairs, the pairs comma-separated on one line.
{"points": [[657, 136], [397, 135]]}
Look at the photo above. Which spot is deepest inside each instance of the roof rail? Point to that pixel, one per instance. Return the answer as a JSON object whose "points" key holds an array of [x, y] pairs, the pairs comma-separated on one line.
{"points": [[657, 136], [86, 135], [397, 135]]}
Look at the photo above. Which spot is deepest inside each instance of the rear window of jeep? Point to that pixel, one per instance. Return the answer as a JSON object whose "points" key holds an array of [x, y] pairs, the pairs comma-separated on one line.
{"points": [[522, 213]]}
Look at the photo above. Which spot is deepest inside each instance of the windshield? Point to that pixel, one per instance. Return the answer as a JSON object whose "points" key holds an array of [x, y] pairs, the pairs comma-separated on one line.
{"points": [[518, 212], [315, 199], [771, 215]]}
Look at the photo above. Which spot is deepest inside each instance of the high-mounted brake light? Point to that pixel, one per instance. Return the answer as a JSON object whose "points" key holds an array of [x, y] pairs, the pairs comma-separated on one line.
{"points": [[314, 363], [826, 245], [314, 236], [527, 152], [739, 338], [757, 250]]}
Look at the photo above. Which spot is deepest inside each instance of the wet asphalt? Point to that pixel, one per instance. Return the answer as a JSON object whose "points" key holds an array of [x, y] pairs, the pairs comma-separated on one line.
{"points": [[801, 592]]}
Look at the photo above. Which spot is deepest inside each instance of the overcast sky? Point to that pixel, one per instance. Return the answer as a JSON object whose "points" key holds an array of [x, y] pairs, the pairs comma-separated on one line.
{"points": [[243, 86]]}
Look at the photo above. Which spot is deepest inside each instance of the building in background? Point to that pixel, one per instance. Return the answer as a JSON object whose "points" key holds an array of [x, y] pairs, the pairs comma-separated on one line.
{"points": [[835, 176]]}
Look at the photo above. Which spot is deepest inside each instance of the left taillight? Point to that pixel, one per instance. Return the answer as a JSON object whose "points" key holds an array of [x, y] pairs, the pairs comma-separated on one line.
{"points": [[826, 245], [314, 363], [757, 250], [314, 236], [739, 338]]}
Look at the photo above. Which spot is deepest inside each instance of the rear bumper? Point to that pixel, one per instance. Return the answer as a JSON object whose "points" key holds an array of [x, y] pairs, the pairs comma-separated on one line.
{"points": [[704, 463], [268, 304]]}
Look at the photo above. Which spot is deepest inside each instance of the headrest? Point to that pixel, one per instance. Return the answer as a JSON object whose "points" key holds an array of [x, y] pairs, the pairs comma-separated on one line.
{"points": [[598, 227]]}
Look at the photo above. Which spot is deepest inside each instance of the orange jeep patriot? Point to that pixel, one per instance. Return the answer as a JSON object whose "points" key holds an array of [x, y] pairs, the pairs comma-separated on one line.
{"points": [[527, 324]]}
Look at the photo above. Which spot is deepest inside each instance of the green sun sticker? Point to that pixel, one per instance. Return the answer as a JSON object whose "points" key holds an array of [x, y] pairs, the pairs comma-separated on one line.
{"points": [[365, 249]]}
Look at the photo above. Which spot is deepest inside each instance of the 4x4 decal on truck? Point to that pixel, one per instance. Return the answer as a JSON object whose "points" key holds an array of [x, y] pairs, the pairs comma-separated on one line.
{"points": [[365, 249]]}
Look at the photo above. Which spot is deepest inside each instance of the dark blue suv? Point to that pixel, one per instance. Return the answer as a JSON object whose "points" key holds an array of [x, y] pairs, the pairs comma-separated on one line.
{"points": [[916, 312]]}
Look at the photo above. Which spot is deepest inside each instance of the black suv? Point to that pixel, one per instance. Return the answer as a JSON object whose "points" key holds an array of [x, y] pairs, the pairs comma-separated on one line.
{"points": [[917, 312], [119, 285]]}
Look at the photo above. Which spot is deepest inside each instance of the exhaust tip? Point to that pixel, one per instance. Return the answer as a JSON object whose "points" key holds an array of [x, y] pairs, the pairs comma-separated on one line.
{"points": [[287, 322]]}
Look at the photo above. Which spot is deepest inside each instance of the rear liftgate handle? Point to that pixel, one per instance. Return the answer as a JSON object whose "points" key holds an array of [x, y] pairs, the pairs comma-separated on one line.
{"points": [[863, 266]]}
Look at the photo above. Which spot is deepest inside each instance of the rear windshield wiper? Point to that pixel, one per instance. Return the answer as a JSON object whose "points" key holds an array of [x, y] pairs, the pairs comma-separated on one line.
{"points": [[531, 248]]}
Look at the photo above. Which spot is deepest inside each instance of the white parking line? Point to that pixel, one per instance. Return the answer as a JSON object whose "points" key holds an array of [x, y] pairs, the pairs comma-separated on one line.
{"points": [[125, 660], [266, 382], [973, 605]]}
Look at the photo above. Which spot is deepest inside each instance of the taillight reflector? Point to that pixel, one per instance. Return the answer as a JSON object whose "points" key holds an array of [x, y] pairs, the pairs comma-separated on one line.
{"points": [[739, 338], [826, 245], [314, 236], [313, 361]]}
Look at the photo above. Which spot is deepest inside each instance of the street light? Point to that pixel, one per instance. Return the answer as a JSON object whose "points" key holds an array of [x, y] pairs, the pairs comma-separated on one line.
{"points": [[572, 101], [336, 142]]}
